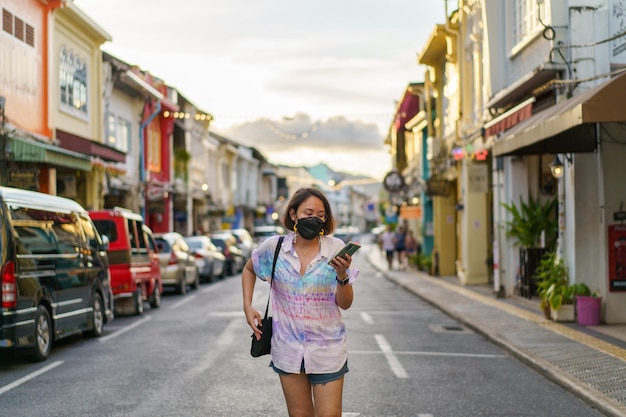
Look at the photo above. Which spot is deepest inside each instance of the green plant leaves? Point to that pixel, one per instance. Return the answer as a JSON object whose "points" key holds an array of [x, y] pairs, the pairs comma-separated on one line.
{"points": [[530, 219]]}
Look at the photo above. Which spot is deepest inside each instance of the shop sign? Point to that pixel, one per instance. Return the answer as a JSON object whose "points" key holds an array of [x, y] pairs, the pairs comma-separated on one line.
{"points": [[477, 178], [617, 258], [437, 187], [469, 152], [394, 182], [411, 212], [155, 193], [26, 179]]}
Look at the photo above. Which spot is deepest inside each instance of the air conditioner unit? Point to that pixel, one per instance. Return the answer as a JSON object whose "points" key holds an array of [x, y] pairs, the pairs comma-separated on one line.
{"points": [[66, 186]]}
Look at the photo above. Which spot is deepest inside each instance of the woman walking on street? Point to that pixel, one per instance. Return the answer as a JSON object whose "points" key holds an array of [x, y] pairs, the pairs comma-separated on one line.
{"points": [[400, 246], [311, 285], [388, 239]]}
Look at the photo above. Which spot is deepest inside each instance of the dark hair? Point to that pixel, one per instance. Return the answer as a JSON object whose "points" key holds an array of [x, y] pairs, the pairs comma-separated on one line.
{"points": [[297, 199]]}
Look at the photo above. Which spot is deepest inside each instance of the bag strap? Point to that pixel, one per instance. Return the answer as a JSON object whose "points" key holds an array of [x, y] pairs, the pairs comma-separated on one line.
{"points": [[280, 242]]}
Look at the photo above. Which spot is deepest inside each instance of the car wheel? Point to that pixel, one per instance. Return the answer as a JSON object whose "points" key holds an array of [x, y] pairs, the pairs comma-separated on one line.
{"points": [[155, 299], [97, 317], [43, 334], [230, 269], [138, 301], [211, 275], [223, 275], [182, 285], [196, 282]]}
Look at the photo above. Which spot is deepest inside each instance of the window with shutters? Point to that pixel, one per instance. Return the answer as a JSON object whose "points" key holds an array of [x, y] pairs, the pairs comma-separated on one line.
{"points": [[18, 28]]}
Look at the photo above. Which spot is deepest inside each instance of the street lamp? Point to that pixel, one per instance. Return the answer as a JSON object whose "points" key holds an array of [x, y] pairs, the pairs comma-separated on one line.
{"points": [[556, 166]]}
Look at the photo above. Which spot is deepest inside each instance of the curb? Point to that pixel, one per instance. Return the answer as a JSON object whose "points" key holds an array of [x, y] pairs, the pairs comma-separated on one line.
{"points": [[591, 396]]}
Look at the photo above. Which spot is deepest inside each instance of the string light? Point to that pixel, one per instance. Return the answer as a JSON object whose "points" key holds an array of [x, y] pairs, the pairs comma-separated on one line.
{"points": [[183, 115], [290, 136]]}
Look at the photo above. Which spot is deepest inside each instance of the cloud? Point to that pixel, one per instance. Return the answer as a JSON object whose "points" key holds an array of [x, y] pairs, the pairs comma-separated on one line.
{"points": [[345, 145], [335, 134]]}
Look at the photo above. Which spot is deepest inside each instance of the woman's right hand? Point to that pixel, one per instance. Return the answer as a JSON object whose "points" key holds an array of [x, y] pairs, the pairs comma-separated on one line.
{"points": [[253, 317]]}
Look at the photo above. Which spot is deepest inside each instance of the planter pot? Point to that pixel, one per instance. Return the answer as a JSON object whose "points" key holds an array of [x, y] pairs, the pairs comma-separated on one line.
{"points": [[565, 313], [588, 310]]}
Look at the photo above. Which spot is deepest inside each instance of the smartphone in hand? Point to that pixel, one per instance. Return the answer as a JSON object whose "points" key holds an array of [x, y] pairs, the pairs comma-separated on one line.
{"points": [[351, 248]]}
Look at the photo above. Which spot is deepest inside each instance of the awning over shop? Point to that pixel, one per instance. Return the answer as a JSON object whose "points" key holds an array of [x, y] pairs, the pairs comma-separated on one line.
{"points": [[567, 127], [25, 150]]}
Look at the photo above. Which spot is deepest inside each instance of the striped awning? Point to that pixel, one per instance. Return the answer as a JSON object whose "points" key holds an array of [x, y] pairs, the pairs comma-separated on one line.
{"points": [[26, 150]]}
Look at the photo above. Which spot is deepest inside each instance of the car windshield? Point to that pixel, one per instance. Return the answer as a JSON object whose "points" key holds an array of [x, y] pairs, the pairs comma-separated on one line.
{"points": [[195, 244], [163, 245]]}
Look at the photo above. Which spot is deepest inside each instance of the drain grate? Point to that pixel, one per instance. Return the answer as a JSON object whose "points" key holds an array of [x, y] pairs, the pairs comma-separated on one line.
{"points": [[448, 328]]}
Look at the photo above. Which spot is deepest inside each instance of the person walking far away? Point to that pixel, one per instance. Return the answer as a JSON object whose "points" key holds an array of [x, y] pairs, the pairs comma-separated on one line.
{"points": [[311, 286], [400, 247], [411, 247], [388, 239]]}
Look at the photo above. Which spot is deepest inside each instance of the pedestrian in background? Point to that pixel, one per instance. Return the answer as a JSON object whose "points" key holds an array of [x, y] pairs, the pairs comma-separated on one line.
{"points": [[388, 241], [400, 247], [411, 247], [311, 286]]}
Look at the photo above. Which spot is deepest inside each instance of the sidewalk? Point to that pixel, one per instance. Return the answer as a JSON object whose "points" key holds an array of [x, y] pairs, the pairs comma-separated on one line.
{"points": [[588, 361]]}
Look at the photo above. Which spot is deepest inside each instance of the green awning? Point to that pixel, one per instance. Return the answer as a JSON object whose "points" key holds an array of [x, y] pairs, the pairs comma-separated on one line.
{"points": [[25, 150]]}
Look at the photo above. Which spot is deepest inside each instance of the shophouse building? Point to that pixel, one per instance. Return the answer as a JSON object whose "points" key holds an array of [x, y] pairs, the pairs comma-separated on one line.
{"points": [[45, 46], [557, 69], [545, 80]]}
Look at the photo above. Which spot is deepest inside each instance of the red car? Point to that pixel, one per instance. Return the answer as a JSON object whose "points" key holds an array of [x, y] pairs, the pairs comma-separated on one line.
{"points": [[133, 259]]}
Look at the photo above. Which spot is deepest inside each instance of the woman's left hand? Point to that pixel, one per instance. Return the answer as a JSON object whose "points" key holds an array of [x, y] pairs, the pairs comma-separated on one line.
{"points": [[341, 265]]}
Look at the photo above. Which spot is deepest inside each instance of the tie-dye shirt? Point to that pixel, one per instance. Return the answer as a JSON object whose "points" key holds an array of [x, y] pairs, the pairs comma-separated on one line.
{"points": [[307, 322]]}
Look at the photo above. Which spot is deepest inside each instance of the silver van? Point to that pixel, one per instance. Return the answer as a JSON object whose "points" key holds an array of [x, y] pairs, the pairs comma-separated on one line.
{"points": [[54, 272]]}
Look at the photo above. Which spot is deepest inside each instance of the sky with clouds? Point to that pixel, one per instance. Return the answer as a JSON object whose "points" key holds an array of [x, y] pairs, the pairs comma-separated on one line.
{"points": [[303, 82]]}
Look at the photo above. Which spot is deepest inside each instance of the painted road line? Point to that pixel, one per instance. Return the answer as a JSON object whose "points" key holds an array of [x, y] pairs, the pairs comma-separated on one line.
{"points": [[223, 343], [212, 287], [182, 302], [124, 329], [367, 318], [392, 359], [28, 377]]}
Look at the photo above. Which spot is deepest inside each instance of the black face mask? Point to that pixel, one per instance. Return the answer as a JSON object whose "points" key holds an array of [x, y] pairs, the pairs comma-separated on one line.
{"points": [[309, 227]]}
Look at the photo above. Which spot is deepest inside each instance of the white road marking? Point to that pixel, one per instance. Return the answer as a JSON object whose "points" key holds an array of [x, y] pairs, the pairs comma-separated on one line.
{"points": [[350, 414], [224, 340], [182, 302], [124, 329], [367, 318], [458, 355], [212, 287], [28, 377], [392, 359]]}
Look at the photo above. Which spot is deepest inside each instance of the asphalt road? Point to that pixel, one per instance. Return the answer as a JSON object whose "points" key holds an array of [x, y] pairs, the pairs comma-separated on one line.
{"points": [[191, 358]]}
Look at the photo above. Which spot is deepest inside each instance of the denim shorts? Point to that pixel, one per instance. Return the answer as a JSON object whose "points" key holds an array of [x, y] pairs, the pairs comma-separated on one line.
{"points": [[315, 379]]}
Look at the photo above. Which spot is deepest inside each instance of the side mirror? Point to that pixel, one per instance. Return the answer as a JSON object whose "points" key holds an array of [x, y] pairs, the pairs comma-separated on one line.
{"points": [[105, 242]]}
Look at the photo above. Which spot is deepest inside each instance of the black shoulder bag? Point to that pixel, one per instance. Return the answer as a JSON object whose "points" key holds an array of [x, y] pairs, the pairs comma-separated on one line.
{"points": [[263, 346]]}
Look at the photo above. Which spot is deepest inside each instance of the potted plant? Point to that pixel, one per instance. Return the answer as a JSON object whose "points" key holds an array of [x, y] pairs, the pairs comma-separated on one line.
{"points": [[588, 306], [529, 221], [556, 293], [548, 278]]}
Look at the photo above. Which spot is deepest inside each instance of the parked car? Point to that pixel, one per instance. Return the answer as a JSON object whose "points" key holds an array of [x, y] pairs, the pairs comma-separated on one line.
{"points": [[263, 232], [178, 265], [210, 260], [234, 256], [245, 242], [54, 272], [133, 259]]}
